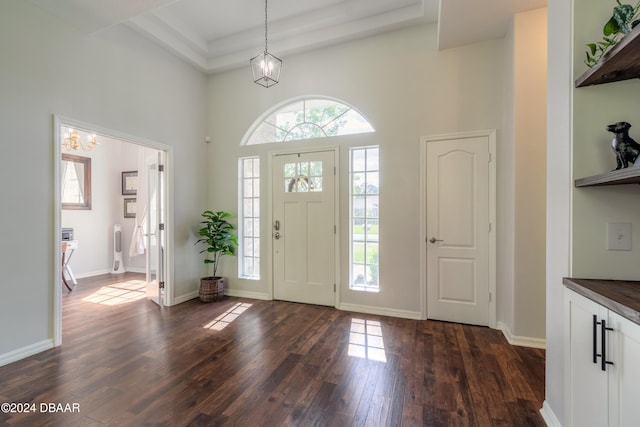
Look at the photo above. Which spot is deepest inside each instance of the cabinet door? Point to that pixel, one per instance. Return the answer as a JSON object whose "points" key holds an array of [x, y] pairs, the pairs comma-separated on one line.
{"points": [[625, 399], [587, 391]]}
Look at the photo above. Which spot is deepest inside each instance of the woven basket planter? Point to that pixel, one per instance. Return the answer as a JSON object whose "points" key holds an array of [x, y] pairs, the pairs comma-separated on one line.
{"points": [[211, 289]]}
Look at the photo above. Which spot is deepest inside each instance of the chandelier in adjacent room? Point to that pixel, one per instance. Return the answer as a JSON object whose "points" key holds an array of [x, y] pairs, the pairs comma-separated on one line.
{"points": [[73, 142]]}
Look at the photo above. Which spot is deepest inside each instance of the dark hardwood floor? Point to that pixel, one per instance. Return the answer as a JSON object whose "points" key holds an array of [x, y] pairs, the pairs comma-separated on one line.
{"points": [[244, 362]]}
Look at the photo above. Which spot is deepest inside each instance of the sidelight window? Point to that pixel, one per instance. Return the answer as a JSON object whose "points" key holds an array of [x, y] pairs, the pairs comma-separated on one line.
{"points": [[365, 218], [249, 218]]}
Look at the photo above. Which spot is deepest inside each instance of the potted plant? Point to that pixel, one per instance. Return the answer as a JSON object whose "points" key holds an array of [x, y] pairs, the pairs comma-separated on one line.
{"points": [[216, 235], [622, 21]]}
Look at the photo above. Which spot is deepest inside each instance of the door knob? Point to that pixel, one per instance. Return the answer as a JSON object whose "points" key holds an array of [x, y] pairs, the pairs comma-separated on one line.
{"points": [[276, 235], [433, 240]]}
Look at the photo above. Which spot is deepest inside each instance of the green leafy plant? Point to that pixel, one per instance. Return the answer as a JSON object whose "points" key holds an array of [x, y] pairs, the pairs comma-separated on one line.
{"points": [[216, 235], [620, 23]]}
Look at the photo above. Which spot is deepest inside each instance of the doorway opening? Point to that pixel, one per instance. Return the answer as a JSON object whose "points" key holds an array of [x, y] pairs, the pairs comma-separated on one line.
{"points": [[124, 229]]}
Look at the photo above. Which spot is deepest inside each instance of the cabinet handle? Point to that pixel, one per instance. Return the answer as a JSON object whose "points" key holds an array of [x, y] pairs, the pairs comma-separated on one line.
{"points": [[595, 339], [603, 331]]}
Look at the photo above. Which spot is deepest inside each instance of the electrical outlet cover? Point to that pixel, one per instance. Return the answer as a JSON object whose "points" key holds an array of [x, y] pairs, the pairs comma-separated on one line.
{"points": [[619, 236]]}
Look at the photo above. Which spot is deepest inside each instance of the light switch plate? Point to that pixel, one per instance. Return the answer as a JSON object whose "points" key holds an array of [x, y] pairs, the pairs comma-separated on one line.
{"points": [[619, 236]]}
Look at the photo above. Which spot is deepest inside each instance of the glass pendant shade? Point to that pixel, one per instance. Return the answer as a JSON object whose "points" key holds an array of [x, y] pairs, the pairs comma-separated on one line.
{"points": [[266, 69]]}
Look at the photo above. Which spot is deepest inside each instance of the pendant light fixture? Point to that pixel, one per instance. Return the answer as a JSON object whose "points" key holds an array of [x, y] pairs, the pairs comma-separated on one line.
{"points": [[265, 67]]}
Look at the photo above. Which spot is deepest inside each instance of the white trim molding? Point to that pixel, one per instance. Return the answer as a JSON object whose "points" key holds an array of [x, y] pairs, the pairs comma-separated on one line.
{"points": [[248, 294], [60, 121], [24, 352], [381, 311], [549, 416], [520, 340], [184, 298]]}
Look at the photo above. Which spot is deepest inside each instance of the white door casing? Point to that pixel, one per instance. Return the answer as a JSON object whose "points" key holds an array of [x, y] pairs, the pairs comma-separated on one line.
{"points": [[303, 227], [459, 227], [167, 154]]}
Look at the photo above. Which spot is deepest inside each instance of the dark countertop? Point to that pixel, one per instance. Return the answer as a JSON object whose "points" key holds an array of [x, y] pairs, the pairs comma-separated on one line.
{"points": [[620, 296]]}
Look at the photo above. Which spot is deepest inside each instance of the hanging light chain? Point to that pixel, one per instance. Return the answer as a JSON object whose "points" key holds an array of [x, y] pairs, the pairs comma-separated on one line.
{"points": [[265, 26], [265, 67]]}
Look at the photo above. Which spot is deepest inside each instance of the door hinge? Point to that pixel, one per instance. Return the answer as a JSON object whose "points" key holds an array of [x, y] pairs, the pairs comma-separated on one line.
{"points": [[161, 168], [335, 229], [161, 285], [490, 296], [334, 288], [489, 227], [489, 157], [334, 171], [161, 226]]}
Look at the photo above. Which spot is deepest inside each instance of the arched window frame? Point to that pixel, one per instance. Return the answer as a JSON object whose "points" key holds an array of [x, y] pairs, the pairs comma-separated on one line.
{"points": [[287, 132]]}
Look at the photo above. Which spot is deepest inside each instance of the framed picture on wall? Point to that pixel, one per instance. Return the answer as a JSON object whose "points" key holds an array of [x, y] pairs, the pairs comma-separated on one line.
{"points": [[130, 207], [129, 183]]}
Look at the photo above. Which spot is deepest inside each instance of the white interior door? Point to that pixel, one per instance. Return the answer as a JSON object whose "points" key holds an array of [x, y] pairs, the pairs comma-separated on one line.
{"points": [[458, 229], [155, 234], [304, 227]]}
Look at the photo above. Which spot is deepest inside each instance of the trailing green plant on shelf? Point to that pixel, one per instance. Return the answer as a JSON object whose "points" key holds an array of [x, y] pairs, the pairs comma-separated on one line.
{"points": [[622, 21]]}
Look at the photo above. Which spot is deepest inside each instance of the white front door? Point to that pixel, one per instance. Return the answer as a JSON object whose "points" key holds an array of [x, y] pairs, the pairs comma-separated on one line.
{"points": [[303, 228], [458, 230]]}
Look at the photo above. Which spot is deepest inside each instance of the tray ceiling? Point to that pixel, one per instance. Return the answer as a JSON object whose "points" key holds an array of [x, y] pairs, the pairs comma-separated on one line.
{"points": [[217, 35]]}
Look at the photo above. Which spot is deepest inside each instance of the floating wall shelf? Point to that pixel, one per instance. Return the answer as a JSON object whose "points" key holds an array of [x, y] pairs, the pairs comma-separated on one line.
{"points": [[630, 175], [621, 62]]}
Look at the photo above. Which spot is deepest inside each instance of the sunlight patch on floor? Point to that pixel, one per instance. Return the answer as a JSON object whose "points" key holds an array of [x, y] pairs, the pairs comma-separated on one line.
{"points": [[119, 293], [365, 340], [222, 321]]}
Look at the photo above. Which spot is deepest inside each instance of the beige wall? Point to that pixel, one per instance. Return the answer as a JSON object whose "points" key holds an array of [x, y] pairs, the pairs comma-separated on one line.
{"points": [[407, 89], [119, 81], [94, 228], [522, 179], [115, 80], [505, 182], [530, 106], [559, 184], [594, 108]]}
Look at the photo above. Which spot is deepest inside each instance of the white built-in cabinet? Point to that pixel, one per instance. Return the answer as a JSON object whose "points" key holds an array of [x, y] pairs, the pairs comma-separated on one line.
{"points": [[628, 370], [602, 353], [601, 392]]}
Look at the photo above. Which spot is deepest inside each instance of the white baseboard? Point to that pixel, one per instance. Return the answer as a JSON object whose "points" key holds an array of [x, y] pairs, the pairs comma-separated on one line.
{"points": [[404, 314], [520, 340], [93, 273], [548, 416], [228, 292], [247, 294], [24, 352], [108, 271], [183, 298]]}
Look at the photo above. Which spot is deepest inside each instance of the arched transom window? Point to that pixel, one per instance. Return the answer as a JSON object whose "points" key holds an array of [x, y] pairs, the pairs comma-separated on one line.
{"points": [[306, 119]]}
